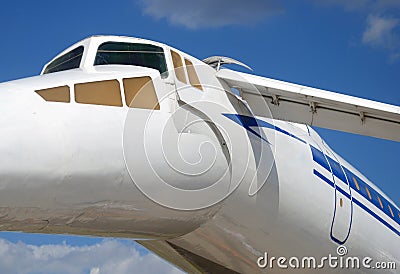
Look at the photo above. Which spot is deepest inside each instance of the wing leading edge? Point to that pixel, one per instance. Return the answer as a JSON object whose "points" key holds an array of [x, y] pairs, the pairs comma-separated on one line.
{"points": [[315, 107]]}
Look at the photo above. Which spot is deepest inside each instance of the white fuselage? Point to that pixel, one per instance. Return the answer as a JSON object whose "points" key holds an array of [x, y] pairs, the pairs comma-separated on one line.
{"points": [[262, 185]]}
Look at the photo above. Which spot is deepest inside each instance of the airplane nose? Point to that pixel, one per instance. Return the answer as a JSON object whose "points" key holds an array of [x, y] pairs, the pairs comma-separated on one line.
{"points": [[38, 160], [19, 127], [62, 170]]}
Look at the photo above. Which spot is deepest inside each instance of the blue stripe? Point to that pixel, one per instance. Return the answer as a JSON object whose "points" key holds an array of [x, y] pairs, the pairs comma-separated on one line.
{"points": [[343, 191], [376, 216], [324, 178], [319, 158], [373, 214], [247, 122], [331, 183], [374, 195], [337, 169], [289, 134]]}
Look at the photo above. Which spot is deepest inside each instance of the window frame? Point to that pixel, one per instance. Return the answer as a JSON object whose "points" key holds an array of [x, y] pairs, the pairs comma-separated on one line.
{"points": [[59, 94], [192, 74], [48, 69], [179, 68], [80, 95], [142, 103], [162, 69]]}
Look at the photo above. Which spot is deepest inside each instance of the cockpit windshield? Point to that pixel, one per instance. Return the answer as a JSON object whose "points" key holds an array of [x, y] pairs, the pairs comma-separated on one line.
{"points": [[70, 60], [119, 53]]}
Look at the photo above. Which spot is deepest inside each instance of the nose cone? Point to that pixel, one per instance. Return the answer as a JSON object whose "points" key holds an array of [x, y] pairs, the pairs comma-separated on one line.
{"points": [[20, 127], [22, 142]]}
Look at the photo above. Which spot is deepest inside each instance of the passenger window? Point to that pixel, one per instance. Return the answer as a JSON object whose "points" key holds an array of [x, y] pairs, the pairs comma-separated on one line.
{"points": [[380, 202], [391, 211], [178, 67], [57, 94], [193, 78], [140, 93], [369, 194], [70, 60], [356, 183], [106, 93]]}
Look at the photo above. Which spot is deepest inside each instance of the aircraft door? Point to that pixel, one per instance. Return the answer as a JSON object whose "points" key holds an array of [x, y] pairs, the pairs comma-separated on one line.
{"points": [[343, 211]]}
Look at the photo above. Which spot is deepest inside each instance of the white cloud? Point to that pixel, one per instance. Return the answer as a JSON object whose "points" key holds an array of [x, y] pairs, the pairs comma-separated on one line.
{"points": [[381, 32], [382, 28], [95, 270], [109, 256], [210, 13]]}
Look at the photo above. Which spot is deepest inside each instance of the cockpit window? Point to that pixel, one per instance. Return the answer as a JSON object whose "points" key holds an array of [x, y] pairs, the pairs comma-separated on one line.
{"points": [[145, 55], [70, 60]]}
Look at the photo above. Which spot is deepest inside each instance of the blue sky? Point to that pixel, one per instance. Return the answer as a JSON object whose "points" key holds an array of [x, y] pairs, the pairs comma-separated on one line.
{"points": [[352, 47]]}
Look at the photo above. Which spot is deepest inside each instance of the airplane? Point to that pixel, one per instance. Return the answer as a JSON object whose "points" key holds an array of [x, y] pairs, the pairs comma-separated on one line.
{"points": [[214, 170]]}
